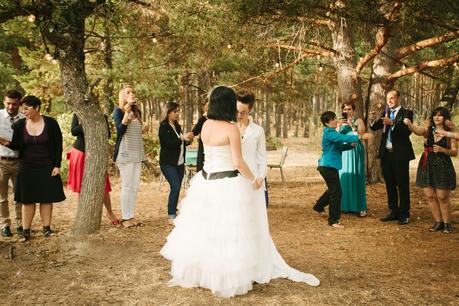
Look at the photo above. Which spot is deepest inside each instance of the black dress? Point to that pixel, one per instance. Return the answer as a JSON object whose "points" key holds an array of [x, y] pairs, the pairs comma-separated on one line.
{"points": [[38, 156], [436, 170], [197, 131]]}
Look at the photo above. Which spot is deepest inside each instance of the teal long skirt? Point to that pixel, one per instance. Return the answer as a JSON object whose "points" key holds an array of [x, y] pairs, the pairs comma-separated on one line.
{"points": [[353, 180]]}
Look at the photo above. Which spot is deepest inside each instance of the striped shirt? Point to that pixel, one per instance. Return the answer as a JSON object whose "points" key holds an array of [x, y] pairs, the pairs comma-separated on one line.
{"points": [[131, 146]]}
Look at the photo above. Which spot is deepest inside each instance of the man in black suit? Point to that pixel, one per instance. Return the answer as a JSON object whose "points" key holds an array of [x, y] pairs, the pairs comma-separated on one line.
{"points": [[395, 152]]}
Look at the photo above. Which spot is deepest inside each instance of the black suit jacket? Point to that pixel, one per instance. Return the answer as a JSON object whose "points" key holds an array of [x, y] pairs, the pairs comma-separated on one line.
{"points": [[170, 144], [401, 143]]}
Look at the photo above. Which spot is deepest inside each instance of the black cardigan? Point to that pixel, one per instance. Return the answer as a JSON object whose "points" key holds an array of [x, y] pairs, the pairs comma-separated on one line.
{"points": [[54, 134], [170, 144], [77, 130], [197, 131]]}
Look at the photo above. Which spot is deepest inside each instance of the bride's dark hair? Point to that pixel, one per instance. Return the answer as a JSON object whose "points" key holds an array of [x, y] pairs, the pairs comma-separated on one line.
{"points": [[222, 104]]}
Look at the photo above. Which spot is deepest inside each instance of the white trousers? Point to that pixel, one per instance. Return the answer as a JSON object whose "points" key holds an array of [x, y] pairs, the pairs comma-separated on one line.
{"points": [[130, 181]]}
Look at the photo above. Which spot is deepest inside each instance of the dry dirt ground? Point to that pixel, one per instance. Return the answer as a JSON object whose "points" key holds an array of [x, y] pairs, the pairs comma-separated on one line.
{"points": [[366, 263]]}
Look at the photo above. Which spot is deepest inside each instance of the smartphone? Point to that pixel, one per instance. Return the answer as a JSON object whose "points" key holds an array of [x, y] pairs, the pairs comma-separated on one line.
{"points": [[344, 116]]}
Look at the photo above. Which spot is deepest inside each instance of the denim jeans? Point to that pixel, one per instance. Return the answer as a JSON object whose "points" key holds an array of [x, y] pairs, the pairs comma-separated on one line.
{"points": [[174, 175]]}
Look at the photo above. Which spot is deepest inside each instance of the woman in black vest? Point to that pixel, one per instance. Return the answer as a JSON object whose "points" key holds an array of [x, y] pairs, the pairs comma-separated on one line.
{"points": [[172, 154]]}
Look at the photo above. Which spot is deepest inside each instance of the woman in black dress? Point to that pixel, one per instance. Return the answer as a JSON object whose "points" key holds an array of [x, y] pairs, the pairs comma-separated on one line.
{"points": [[197, 131], [38, 139], [436, 174]]}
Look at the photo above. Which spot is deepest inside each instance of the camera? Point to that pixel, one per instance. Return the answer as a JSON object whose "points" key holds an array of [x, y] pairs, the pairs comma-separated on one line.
{"points": [[133, 102], [344, 115]]}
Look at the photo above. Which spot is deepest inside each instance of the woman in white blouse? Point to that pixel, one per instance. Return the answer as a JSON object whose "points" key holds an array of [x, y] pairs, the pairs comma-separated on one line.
{"points": [[253, 138]]}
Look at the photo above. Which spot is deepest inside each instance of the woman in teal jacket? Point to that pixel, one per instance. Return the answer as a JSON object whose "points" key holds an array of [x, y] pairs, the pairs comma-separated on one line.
{"points": [[333, 143]]}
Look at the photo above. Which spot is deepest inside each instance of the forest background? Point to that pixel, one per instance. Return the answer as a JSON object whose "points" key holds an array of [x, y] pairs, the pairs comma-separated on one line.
{"points": [[300, 58]]}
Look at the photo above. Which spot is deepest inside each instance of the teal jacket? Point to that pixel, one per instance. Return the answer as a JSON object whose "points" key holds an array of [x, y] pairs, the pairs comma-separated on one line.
{"points": [[333, 143]]}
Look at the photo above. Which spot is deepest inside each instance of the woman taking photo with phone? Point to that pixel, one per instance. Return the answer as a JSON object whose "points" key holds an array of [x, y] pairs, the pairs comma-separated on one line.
{"points": [[352, 174], [436, 175], [129, 152]]}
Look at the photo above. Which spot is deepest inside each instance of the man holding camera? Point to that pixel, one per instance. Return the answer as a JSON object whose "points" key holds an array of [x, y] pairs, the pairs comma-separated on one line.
{"points": [[9, 162], [395, 152]]}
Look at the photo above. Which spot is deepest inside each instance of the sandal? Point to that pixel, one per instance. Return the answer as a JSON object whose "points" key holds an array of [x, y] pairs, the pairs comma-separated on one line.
{"points": [[113, 220], [128, 223], [137, 223]]}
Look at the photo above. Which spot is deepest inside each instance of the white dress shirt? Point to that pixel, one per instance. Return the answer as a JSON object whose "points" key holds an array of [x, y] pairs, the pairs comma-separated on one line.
{"points": [[7, 132], [254, 149]]}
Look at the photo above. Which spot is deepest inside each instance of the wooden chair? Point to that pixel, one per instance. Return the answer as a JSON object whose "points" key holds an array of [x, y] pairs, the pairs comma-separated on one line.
{"points": [[280, 165]]}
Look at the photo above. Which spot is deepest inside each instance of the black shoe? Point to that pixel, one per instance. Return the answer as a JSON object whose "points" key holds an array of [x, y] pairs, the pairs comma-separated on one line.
{"points": [[448, 228], [389, 217], [404, 221], [318, 209], [19, 230], [437, 227], [6, 232], [25, 235], [48, 232]]}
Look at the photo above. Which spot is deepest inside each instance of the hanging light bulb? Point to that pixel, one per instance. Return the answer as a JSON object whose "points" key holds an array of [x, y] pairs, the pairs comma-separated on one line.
{"points": [[48, 57], [154, 40], [31, 18], [321, 68], [403, 66], [229, 46], [277, 64]]}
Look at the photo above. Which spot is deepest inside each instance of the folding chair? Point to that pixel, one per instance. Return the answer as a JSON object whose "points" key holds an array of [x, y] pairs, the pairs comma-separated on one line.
{"points": [[280, 165]]}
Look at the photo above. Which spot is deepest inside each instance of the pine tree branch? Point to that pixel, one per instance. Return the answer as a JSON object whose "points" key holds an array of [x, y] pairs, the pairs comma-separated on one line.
{"points": [[325, 52], [381, 39], [269, 75], [429, 42], [382, 36], [423, 66]]}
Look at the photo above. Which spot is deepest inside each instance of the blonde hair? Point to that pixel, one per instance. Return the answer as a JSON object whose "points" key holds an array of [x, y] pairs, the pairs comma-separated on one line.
{"points": [[122, 95], [122, 101]]}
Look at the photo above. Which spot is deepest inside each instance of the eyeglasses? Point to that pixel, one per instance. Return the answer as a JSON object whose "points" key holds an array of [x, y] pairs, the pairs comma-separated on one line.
{"points": [[242, 114]]}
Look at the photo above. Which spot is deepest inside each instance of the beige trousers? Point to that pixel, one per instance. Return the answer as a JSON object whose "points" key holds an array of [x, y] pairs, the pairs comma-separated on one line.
{"points": [[8, 171]]}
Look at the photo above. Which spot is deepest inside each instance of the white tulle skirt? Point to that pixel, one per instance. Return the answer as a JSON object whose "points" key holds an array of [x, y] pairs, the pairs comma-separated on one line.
{"points": [[221, 239]]}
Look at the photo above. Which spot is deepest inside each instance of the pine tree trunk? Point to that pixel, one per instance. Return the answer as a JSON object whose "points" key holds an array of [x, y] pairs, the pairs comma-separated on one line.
{"points": [[267, 114], [285, 120], [278, 117], [349, 84], [108, 61], [382, 68], [76, 94]]}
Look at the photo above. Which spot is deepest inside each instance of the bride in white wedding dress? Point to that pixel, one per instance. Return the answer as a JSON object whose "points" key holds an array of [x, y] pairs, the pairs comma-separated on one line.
{"points": [[221, 239]]}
